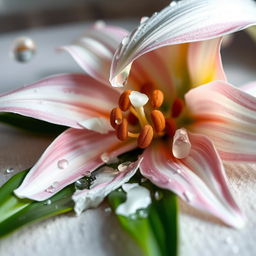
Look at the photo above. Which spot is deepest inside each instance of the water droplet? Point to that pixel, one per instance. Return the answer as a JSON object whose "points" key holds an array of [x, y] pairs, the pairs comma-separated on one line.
{"points": [[143, 213], [188, 196], [158, 195], [23, 49], [62, 164], [181, 145], [53, 187], [105, 157], [118, 121], [82, 184], [9, 171], [125, 40], [48, 202], [107, 210], [173, 3], [122, 167], [177, 171], [100, 24], [143, 19]]}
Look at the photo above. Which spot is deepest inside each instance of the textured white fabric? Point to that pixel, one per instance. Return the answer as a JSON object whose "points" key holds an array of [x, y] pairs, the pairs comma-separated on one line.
{"points": [[97, 232]]}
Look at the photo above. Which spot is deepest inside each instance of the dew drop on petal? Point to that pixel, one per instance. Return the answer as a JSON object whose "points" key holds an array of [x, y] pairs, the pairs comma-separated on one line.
{"points": [[177, 171], [188, 196], [53, 187], [125, 40], [181, 145], [105, 157], [143, 19], [123, 166], [23, 49], [100, 24], [63, 164]]}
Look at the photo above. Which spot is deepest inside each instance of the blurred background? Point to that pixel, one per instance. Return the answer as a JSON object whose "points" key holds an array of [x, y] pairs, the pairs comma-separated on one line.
{"points": [[22, 14]]}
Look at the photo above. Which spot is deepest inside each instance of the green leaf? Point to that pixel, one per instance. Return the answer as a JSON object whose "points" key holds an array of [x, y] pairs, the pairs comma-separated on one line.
{"points": [[30, 124], [15, 212], [157, 233]]}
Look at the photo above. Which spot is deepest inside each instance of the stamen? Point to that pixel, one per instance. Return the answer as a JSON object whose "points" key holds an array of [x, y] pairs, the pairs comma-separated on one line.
{"points": [[132, 119], [116, 117], [158, 120], [122, 130], [124, 101], [170, 127], [177, 107], [157, 98], [133, 135], [146, 136], [181, 145]]}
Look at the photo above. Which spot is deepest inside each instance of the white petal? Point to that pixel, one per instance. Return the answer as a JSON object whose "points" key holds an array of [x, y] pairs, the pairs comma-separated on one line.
{"points": [[100, 125]]}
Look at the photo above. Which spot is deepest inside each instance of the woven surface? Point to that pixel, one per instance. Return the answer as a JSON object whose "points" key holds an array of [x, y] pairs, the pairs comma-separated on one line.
{"points": [[97, 232]]}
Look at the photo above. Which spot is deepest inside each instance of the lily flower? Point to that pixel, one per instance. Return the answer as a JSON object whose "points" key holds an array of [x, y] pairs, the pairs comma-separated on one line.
{"points": [[185, 130]]}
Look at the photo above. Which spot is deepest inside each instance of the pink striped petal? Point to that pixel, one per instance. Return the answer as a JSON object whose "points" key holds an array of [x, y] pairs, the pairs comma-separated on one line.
{"points": [[95, 49], [62, 99], [227, 116], [204, 62], [198, 179], [107, 180], [187, 21], [74, 154], [249, 88]]}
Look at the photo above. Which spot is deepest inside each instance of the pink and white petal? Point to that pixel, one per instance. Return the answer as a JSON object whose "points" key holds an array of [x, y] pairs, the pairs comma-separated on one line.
{"points": [[249, 88], [187, 21], [160, 69], [62, 99], [204, 62], [107, 180], [72, 155], [95, 49], [227, 115], [199, 179]]}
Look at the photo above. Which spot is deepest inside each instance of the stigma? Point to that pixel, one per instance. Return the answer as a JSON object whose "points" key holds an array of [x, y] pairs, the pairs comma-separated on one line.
{"points": [[140, 116]]}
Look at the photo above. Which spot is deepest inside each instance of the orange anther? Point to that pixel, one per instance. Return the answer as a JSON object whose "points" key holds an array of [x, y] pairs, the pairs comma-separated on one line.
{"points": [[146, 136], [158, 120], [124, 101], [132, 119], [116, 117], [122, 130], [177, 107], [170, 126], [157, 98]]}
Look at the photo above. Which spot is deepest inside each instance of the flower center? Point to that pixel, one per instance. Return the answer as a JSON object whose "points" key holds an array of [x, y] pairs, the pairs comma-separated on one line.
{"points": [[139, 116]]}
